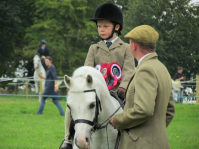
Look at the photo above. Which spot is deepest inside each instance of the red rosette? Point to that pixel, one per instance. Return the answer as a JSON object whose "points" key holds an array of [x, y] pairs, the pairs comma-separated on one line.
{"points": [[115, 69], [105, 70], [116, 74]]}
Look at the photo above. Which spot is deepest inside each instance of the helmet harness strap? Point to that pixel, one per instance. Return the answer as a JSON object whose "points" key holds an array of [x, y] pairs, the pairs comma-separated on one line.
{"points": [[113, 31]]}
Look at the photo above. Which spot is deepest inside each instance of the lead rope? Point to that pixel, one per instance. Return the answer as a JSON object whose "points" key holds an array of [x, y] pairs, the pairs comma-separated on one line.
{"points": [[61, 143]]}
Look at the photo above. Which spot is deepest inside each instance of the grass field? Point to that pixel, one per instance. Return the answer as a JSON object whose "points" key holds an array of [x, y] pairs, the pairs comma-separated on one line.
{"points": [[21, 129]]}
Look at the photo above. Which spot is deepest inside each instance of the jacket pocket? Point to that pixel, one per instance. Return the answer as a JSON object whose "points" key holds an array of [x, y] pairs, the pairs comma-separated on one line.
{"points": [[133, 136]]}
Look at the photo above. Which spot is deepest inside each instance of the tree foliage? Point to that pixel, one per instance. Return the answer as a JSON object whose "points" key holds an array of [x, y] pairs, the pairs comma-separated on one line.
{"points": [[9, 30], [65, 26], [178, 26], [13, 21]]}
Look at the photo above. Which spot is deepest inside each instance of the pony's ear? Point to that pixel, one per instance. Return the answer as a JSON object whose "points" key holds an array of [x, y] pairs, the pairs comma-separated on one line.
{"points": [[89, 80], [67, 81]]}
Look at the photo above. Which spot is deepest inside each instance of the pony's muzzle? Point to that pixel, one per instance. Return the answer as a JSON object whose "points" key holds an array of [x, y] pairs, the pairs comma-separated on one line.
{"points": [[83, 142]]}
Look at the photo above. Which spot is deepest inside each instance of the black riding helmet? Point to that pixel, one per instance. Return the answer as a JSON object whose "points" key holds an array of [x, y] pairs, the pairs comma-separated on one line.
{"points": [[111, 12]]}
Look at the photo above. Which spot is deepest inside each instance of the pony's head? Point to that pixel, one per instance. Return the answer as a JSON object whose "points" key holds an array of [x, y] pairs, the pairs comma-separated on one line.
{"points": [[82, 102], [36, 61]]}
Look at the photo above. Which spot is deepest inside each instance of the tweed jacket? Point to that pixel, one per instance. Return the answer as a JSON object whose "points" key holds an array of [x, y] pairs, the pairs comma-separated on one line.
{"points": [[149, 107], [118, 52]]}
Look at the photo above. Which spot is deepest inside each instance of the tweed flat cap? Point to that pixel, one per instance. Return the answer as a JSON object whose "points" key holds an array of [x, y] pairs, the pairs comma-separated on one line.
{"points": [[144, 34]]}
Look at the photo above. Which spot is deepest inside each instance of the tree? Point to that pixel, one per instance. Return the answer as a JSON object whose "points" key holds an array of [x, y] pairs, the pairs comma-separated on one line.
{"points": [[65, 26], [9, 26], [177, 24], [13, 20]]}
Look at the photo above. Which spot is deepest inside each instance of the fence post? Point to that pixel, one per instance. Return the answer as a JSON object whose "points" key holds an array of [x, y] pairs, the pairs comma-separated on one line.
{"points": [[26, 89], [197, 89]]}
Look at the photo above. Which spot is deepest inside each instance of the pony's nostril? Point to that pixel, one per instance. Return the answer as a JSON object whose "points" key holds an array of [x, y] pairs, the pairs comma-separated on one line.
{"points": [[87, 140]]}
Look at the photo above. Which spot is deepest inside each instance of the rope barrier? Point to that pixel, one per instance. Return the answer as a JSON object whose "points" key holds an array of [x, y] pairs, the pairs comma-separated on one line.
{"points": [[33, 95], [27, 78], [32, 80]]}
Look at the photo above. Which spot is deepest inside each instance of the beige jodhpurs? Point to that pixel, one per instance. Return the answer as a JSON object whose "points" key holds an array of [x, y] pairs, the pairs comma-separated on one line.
{"points": [[67, 125]]}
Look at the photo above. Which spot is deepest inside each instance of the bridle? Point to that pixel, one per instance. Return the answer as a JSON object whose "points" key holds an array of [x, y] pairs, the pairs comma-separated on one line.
{"points": [[98, 108], [95, 125]]}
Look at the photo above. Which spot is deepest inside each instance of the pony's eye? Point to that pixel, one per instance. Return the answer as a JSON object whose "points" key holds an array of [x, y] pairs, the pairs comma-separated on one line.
{"points": [[92, 105]]}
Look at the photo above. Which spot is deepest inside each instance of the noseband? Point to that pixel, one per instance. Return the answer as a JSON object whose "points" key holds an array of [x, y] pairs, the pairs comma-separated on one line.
{"points": [[98, 108]]}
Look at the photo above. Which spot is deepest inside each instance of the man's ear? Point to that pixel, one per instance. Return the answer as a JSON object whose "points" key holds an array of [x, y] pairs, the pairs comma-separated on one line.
{"points": [[135, 45], [117, 27]]}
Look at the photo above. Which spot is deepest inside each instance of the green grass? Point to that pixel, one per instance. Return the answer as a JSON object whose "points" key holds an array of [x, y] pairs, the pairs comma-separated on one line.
{"points": [[20, 129], [183, 131]]}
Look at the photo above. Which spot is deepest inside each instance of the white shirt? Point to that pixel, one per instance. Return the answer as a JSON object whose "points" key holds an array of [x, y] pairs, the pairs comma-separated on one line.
{"points": [[142, 58], [112, 40]]}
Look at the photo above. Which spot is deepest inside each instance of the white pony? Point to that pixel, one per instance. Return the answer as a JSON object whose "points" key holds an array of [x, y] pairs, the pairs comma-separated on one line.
{"points": [[38, 69], [176, 85], [83, 106]]}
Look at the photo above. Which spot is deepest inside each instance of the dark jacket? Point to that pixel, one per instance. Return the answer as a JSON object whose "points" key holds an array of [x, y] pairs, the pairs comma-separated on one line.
{"points": [[44, 52], [177, 76], [51, 76]]}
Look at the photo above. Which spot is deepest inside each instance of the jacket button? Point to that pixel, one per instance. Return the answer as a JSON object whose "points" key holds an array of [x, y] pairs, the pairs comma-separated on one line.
{"points": [[108, 54]]}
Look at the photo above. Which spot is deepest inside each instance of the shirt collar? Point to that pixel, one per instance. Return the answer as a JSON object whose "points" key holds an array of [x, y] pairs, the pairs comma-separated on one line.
{"points": [[143, 58], [112, 40]]}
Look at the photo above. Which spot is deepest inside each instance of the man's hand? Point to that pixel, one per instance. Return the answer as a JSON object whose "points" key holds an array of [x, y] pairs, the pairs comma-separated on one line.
{"points": [[183, 78], [111, 122], [121, 92]]}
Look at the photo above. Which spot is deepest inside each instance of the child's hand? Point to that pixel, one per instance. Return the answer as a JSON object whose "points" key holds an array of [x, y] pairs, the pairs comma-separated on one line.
{"points": [[121, 92]]}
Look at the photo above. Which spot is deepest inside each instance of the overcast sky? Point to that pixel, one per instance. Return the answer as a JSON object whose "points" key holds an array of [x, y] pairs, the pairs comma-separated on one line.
{"points": [[193, 1]]}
